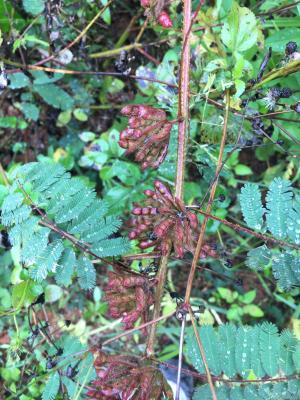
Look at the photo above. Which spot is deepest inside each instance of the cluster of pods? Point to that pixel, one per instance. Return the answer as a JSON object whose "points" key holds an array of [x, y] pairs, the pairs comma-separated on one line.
{"points": [[147, 135], [166, 218], [127, 377], [129, 296], [161, 15]]}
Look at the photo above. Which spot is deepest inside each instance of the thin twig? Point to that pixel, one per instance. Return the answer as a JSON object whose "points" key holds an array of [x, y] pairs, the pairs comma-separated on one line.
{"points": [[82, 33], [161, 278], [240, 228], [137, 328], [203, 356], [74, 72], [209, 206], [180, 358]]}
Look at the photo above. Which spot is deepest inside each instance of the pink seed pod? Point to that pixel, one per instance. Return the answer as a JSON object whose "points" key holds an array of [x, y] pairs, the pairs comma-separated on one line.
{"points": [[137, 211], [149, 193], [164, 20], [143, 111], [136, 122], [123, 143], [146, 244], [132, 235], [192, 219], [163, 190], [145, 3]]}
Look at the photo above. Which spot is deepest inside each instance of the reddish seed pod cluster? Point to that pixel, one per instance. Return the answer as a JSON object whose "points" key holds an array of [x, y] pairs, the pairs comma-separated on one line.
{"points": [[156, 12], [164, 222], [129, 296], [126, 377], [147, 135]]}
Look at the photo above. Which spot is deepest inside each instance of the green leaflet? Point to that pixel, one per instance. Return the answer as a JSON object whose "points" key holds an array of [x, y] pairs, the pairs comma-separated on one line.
{"points": [[279, 203], [55, 96], [65, 268], [251, 205], [259, 258], [111, 247], [276, 391], [86, 273], [286, 269], [243, 355], [288, 344], [227, 349], [19, 80], [269, 344]]}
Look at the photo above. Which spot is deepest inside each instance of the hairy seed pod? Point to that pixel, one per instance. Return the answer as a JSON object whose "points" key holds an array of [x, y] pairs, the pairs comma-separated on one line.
{"points": [[164, 20]]}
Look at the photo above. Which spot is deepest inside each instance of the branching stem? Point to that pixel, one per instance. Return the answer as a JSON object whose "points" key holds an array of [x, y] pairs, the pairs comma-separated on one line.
{"points": [[209, 206], [183, 112]]}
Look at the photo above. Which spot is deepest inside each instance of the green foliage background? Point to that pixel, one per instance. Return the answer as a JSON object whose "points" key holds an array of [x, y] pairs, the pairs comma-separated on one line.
{"points": [[59, 153]]}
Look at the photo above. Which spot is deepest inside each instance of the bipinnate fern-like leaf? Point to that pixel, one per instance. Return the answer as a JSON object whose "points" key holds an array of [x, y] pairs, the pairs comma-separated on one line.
{"points": [[268, 391], [251, 205], [282, 215], [244, 351], [282, 220], [248, 351], [45, 205], [279, 204]]}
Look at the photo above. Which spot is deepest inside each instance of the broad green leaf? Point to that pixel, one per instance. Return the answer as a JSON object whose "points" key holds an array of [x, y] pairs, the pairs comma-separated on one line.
{"points": [[34, 7], [31, 111], [280, 38], [248, 297], [80, 115], [24, 293], [253, 310], [18, 80], [239, 32], [243, 170], [55, 96]]}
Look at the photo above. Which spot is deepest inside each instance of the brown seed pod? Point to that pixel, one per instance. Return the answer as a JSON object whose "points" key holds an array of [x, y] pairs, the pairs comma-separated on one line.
{"points": [[147, 135]]}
